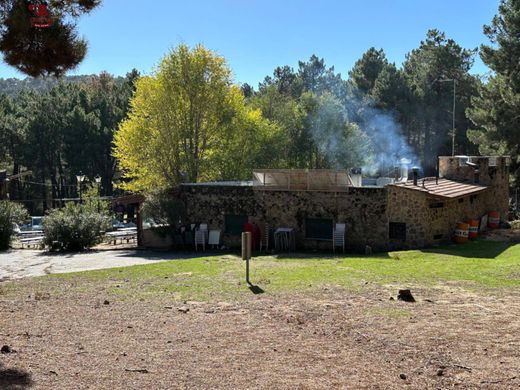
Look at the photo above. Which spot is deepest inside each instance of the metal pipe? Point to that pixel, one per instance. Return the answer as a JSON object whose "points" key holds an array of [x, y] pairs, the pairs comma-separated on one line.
{"points": [[453, 113], [415, 171], [453, 131]]}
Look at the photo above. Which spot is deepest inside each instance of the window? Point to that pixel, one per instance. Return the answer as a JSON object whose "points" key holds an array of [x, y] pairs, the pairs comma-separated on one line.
{"points": [[318, 228], [436, 205], [234, 224], [397, 231], [438, 236]]}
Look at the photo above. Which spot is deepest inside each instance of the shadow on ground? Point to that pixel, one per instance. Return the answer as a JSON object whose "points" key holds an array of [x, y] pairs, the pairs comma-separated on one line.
{"points": [[255, 289], [14, 379], [144, 254], [325, 256], [480, 249], [485, 249]]}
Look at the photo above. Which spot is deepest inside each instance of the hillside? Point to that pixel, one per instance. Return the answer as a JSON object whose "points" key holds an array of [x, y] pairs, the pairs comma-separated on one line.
{"points": [[12, 86]]}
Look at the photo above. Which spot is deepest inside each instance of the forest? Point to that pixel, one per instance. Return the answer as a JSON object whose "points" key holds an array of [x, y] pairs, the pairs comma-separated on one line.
{"points": [[190, 121]]}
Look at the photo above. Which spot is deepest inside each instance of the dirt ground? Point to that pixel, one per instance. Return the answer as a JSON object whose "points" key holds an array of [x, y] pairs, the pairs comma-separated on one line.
{"points": [[322, 339]]}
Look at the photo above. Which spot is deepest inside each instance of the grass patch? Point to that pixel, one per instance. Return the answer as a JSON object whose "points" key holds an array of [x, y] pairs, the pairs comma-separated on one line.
{"points": [[477, 264]]}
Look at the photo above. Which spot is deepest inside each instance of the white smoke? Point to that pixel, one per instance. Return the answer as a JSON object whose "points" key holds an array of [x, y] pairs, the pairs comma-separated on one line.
{"points": [[356, 133], [388, 145]]}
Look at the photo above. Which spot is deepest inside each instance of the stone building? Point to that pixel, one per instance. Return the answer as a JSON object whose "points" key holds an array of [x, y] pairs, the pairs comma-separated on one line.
{"points": [[388, 214]]}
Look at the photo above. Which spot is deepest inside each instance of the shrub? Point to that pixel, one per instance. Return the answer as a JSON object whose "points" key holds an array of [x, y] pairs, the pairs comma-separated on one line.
{"points": [[10, 213], [75, 227], [164, 209]]}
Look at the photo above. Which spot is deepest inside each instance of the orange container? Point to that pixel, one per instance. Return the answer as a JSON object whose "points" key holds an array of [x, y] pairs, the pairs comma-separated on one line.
{"points": [[461, 233], [473, 228], [493, 219]]}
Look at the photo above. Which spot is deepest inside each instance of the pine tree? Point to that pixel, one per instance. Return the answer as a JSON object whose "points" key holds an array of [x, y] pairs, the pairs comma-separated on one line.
{"points": [[43, 51], [495, 112]]}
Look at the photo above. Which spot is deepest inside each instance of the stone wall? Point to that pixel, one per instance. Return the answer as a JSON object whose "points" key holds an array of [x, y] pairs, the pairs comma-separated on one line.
{"points": [[152, 239], [366, 211], [209, 204], [495, 177], [362, 209], [430, 221]]}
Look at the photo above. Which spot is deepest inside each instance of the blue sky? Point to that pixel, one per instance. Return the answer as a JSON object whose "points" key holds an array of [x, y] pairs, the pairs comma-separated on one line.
{"points": [[255, 36]]}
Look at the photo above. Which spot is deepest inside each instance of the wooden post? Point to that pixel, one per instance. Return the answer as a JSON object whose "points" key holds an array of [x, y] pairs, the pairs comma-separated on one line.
{"points": [[246, 252]]}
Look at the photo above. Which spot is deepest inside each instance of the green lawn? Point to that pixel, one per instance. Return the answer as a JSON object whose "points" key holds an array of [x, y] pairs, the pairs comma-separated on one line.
{"points": [[476, 264]]}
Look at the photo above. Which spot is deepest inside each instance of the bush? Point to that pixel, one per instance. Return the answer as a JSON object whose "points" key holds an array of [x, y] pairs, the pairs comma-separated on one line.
{"points": [[10, 213], [164, 209], [75, 227]]}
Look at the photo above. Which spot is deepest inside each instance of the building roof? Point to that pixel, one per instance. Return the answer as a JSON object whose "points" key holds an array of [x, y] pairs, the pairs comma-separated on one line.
{"points": [[243, 183], [444, 188], [129, 199]]}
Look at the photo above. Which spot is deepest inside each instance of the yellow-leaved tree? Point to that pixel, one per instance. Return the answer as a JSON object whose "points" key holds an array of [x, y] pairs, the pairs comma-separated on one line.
{"points": [[188, 123]]}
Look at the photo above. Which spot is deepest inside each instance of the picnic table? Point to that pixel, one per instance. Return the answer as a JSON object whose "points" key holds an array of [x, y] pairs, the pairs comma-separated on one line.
{"points": [[30, 233], [122, 234], [35, 241]]}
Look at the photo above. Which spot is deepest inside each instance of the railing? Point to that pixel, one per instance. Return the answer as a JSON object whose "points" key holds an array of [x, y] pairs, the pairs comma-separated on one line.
{"points": [[302, 180]]}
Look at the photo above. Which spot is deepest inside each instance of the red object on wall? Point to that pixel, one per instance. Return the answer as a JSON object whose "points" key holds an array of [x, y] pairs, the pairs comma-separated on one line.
{"points": [[249, 227]]}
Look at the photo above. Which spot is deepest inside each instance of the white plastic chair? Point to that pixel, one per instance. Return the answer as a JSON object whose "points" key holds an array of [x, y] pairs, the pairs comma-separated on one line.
{"points": [[338, 237], [201, 235], [214, 238]]}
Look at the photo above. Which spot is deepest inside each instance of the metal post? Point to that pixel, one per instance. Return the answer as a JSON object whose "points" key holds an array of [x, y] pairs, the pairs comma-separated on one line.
{"points": [[453, 133], [453, 113], [246, 252]]}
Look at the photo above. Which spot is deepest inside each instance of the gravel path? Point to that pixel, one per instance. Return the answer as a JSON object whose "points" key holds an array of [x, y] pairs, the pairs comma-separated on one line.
{"points": [[18, 264]]}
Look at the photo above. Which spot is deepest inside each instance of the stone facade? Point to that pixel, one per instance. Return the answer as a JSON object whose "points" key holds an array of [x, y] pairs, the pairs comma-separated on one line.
{"points": [[494, 175], [362, 209], [367, 211]]}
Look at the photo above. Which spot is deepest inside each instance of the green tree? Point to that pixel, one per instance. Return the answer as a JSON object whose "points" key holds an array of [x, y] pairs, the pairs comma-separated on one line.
{"points": [[178, 120], [367, 69], [338, 142], [10, 213], [58, 133], [429, 71], [43, 51], [89, 132], [495, 111]]}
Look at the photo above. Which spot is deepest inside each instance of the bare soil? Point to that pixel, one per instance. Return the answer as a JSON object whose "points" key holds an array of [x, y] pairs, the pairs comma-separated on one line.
{"points": [[323, 339]]}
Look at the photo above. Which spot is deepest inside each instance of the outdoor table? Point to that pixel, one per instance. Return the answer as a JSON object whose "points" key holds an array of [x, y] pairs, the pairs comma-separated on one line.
{"points": [[284, 239], [122, 234]]}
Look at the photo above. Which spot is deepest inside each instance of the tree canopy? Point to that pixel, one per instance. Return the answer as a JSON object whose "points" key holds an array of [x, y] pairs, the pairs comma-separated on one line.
{"points": [[42, 51], [188, 122], [495, 109]]}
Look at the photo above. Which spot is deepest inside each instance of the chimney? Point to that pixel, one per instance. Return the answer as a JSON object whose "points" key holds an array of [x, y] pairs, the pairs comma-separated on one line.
{"points": [[356, 175], [476, 173], [404, 163], [415, 172]]}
